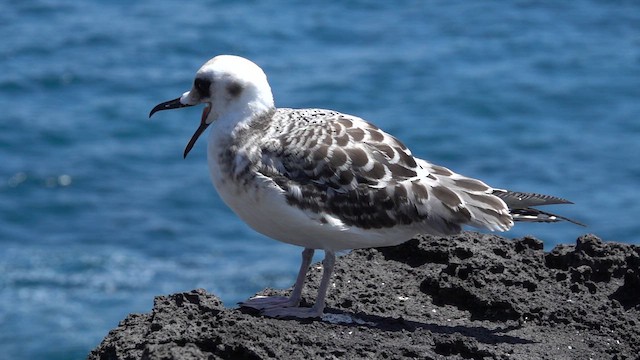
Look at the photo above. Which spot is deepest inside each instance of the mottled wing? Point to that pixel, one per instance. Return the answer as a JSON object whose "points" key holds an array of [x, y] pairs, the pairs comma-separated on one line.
{"points": [[337, 166], [351, 173], [472, 199]]}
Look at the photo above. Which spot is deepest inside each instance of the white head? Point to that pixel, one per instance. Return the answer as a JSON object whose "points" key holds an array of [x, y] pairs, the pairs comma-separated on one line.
{"points": [[231, 87]]}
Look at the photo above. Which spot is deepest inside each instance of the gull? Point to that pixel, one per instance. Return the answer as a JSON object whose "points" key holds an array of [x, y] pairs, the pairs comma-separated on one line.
{"points": [[329, 181]]}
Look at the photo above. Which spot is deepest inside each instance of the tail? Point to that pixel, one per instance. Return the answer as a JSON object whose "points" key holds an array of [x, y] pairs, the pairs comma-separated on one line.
{"points": [[521, 206]]}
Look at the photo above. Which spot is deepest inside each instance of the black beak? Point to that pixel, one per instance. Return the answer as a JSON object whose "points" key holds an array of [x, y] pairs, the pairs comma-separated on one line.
{"points": [[176, 104], [194, 138], [168, 105]]}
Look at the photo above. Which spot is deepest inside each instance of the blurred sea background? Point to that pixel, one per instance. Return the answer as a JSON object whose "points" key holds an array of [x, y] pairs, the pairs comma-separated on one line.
{"points": [[99, 213]]}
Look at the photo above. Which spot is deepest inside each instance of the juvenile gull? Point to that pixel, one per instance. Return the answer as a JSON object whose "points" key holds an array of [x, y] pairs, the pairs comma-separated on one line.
{"points": [[330, 181]]}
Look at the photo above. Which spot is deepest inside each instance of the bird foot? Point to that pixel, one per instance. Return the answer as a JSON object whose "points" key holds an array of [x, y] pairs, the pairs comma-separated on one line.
{"points": [[281, 307], [269, 302]]}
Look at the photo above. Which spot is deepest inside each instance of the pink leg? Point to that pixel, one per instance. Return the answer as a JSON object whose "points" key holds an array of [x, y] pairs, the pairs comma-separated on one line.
{"points": [[318, 308], [269, 302]]}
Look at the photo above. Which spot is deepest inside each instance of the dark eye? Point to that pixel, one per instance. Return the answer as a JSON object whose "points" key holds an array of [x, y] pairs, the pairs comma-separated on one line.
{"points": [[202, 86]]}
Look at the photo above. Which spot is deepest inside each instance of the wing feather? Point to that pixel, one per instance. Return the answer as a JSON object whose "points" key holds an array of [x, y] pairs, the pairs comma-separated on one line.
{"points": [[364, 177]]}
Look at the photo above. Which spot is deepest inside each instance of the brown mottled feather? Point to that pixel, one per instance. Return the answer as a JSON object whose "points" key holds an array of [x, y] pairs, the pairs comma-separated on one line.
{"points": [[371, 180]]}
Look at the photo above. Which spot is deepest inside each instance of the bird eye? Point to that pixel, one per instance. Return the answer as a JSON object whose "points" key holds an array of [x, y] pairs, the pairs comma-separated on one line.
{"points": [[202, 86]]}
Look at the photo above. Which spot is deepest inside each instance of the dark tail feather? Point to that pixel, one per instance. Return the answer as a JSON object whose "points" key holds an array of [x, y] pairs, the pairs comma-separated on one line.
{"points": [[521, 206], [520, 200], [535, 215]]}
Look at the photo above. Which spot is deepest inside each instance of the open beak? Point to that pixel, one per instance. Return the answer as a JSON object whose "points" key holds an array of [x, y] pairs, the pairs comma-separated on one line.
{"points": [[176, 104], [168, 105]]}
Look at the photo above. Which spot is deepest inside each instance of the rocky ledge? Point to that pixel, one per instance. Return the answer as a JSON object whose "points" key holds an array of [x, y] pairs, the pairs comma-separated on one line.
{"points": [[469, 296]]}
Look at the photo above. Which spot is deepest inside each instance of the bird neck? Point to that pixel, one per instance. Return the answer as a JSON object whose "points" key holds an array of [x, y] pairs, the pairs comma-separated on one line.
{"points": [[241, 119]]}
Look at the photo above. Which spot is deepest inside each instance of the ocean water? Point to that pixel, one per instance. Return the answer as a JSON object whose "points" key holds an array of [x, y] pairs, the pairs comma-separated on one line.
{"points": [[99, 213]]}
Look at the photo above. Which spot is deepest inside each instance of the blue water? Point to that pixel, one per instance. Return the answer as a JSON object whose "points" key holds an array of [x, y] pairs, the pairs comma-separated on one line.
{"points": [[99, 212]]}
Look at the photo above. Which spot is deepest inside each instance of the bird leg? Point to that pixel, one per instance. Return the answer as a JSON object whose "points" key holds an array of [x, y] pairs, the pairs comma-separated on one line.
{"points": [[268, 302], [318, 308]]}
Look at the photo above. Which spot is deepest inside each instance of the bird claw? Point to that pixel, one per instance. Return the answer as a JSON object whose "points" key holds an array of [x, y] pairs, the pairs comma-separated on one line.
{"points": [[268, 302], [280, 307]]}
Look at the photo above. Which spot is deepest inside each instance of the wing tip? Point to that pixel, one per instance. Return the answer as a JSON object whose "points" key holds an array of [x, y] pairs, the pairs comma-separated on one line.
{"points": [[535, 215]]}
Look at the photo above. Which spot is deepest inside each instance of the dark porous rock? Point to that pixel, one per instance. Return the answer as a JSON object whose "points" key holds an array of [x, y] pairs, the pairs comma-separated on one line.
{"points": [[469, 296]]}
